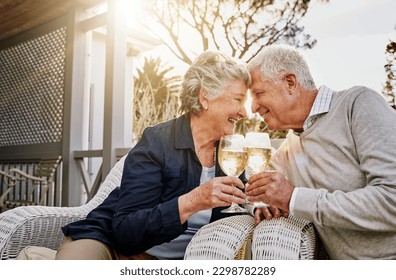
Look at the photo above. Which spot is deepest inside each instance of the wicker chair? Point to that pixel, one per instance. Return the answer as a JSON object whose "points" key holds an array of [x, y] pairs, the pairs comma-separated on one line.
{"points": [[41, 225], [41, 184]]}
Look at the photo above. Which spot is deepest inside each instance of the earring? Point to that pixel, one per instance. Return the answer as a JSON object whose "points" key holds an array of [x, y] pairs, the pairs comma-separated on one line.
{"points": [[206, 107]]}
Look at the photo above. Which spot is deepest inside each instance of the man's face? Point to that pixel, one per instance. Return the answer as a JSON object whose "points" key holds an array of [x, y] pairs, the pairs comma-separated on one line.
{"points": [[273, 101]]}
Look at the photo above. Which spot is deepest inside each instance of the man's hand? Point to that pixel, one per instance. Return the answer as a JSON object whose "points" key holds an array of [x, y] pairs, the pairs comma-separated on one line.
{"points": [[271, 188], [268, 213]]}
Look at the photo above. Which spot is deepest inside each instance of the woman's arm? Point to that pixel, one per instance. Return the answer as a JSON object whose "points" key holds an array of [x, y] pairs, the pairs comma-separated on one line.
{"points": [[147, 212]]}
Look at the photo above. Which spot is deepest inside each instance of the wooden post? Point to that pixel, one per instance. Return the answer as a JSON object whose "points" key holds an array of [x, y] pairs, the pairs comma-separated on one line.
{"points": [[114, 111], [73, 108]]}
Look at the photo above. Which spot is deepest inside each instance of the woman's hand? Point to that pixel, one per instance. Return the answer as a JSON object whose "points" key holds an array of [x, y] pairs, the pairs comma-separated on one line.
{"points": [[219, 191]]}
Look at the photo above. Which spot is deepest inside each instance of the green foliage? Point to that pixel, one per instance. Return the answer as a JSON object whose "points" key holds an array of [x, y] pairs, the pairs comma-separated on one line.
{"points": [[155, 95]]}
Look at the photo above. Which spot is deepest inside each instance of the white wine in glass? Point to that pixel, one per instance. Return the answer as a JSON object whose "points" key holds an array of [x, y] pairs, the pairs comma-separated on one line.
{"points": [[232, 160], [259, 151]]}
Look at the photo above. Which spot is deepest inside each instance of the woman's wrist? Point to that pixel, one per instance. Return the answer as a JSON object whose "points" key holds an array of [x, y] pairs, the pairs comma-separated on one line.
{"points": [[187, 206]]}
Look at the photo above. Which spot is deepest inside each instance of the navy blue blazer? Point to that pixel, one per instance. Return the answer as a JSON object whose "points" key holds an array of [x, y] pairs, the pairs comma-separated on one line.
{"points": [[143, 211]]}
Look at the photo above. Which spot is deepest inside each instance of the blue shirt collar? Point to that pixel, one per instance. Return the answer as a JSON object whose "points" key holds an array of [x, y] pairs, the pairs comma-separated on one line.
{"points": [[183, 134]]}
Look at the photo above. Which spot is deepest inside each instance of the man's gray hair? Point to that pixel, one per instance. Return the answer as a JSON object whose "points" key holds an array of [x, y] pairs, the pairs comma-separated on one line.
{"points": [[212, 72], [275, 60]]}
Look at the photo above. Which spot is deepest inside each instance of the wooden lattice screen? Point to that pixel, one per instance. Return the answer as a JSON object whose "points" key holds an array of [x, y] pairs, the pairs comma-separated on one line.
{"points": [[32, 86], [32, 89]]}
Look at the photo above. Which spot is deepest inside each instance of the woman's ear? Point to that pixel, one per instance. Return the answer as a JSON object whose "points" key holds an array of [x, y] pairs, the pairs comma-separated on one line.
{"points": [[203, 99]]}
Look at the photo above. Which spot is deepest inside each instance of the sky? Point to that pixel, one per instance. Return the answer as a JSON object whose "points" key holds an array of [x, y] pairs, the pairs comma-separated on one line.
{"points": [[352, 36]]}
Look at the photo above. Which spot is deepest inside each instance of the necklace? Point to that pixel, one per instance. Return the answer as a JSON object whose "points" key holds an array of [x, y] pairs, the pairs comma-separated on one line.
{"points": [[214, 155]]}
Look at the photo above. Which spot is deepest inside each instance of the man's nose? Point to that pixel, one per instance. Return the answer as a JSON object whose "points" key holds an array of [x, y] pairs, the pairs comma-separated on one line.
{"points": [[254, 106]]}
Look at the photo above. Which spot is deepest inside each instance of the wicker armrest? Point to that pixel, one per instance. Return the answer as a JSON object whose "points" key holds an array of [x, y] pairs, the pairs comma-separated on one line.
{"points": [[221, 240], [41, 225], [35, 226], [284, 239]]}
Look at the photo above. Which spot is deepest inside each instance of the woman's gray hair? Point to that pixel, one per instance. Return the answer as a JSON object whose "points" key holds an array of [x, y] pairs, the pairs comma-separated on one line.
{"points": [[211, 71], [277, 59]]}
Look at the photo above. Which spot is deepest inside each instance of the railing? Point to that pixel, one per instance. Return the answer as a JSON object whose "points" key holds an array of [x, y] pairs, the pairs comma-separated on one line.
{"points": [[92, 186], [22, 188], [90, 182]]}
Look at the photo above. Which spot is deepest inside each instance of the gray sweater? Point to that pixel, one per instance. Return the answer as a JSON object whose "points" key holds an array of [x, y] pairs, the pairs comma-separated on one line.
{"points": [[345, 168]]}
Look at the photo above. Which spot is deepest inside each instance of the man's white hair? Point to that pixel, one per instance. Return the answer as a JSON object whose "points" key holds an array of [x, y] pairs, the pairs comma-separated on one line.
{"points": [[275, 60]]}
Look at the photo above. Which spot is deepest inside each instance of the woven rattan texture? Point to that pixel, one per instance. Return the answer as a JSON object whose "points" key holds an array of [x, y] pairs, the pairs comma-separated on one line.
{"points": [[31, 90], [284, 239], [220, 240], [41, 226]]}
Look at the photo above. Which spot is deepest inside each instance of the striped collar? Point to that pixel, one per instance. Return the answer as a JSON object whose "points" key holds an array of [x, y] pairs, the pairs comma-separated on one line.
{"points": [[321, 105]]}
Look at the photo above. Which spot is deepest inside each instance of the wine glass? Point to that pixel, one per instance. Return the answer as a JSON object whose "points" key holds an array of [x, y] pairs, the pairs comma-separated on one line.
{"points": [[259, 151], [232, 160]]}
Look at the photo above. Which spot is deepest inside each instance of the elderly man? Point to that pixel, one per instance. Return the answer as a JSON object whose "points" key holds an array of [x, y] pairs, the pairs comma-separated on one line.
{"points": [[337, 167]]}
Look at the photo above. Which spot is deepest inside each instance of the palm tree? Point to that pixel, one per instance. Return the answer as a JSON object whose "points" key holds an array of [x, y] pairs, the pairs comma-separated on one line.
{"points": [[155, 95]]}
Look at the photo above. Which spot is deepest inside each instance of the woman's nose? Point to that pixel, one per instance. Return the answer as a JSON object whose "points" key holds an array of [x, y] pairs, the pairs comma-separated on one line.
{"points": [[243, 112]]}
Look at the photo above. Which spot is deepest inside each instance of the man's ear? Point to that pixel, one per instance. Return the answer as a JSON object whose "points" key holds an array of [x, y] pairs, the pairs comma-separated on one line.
{"points": [[291, 81]]}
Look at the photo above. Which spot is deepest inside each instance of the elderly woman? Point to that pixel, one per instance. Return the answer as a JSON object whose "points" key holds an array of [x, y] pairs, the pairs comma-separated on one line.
{"points": [[171, 185]]}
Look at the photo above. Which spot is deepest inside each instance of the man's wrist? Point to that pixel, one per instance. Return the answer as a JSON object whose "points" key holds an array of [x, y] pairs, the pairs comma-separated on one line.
{"points": [[292, 200]]}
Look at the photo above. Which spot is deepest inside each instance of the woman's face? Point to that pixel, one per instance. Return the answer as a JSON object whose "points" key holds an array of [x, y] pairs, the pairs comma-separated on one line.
{"points": [[228, 108]]}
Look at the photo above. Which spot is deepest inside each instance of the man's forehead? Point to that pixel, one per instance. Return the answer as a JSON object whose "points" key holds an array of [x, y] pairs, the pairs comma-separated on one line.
{"points": [[258, 88], [258, 83], [256, 73]]}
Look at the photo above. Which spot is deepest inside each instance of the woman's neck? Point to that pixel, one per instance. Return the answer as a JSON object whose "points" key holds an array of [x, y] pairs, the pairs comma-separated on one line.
{"points": [[204, 141]]}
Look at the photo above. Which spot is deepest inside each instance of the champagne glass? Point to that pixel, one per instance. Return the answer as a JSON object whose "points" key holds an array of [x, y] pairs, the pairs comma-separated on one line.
{"points": [[232, 160], [259, 151]]}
